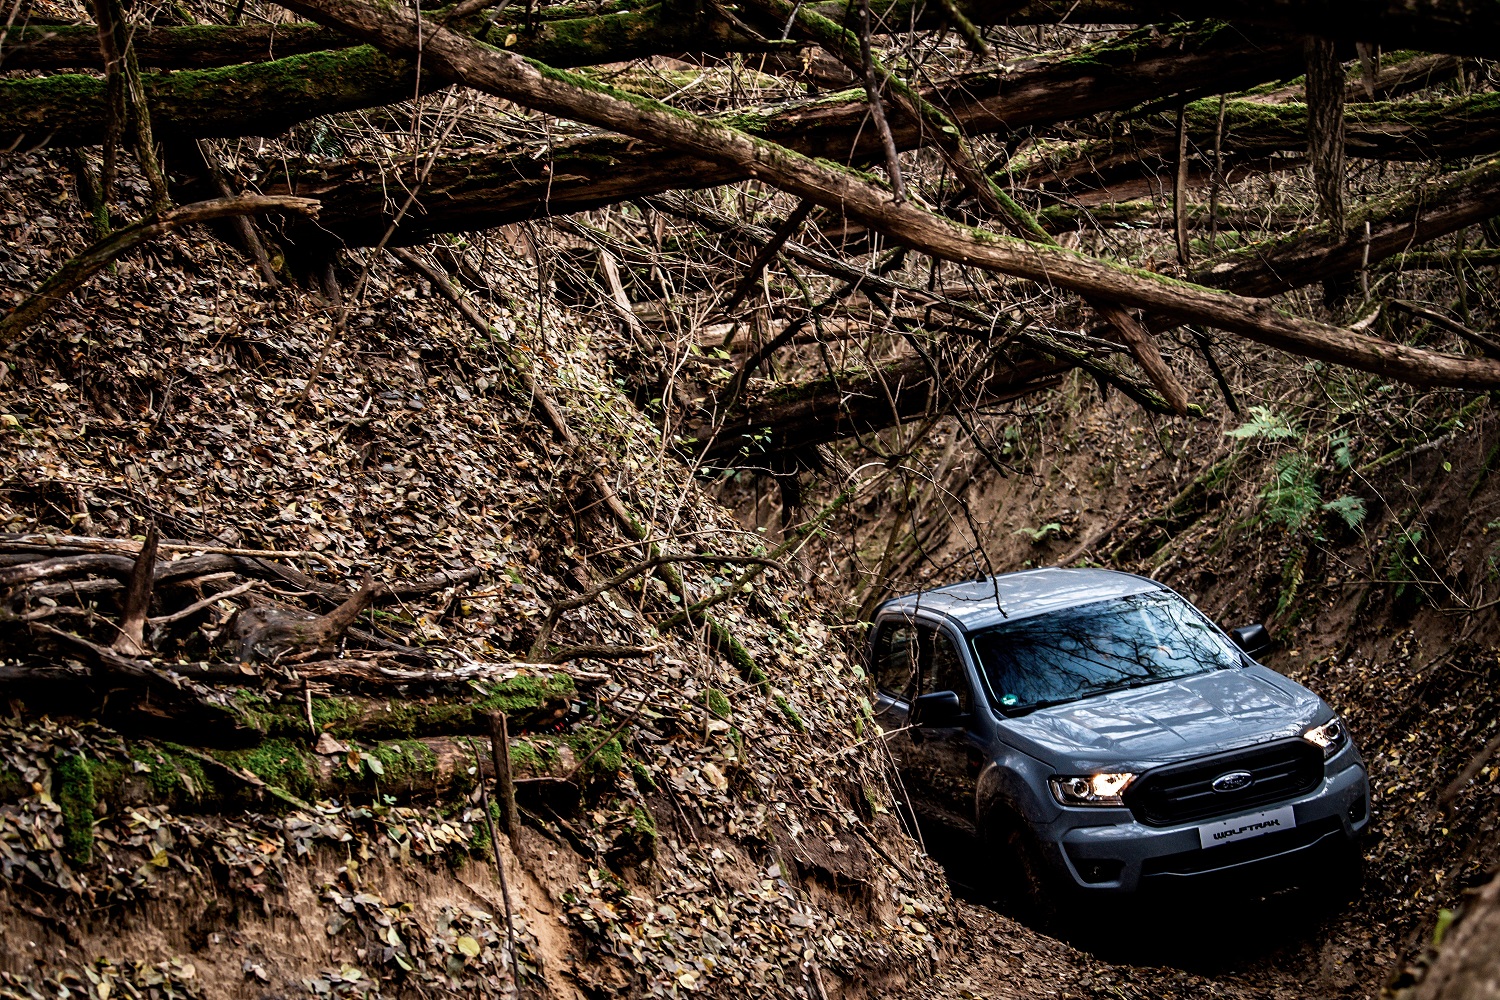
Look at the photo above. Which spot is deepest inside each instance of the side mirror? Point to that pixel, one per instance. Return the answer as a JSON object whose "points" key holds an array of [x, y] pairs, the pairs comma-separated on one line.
{"points": [[1253, 639], [938, 708]]}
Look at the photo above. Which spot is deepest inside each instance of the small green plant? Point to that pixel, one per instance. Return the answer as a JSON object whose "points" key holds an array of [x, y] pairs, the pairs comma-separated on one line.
{"points": [[1343, 454], [1350, 509], [1265, 424], [1039, 535], [1291, 497]]}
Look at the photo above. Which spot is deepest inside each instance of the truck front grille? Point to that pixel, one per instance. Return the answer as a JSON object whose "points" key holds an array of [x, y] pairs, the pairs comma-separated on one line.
{"points": [[1182, 793]]}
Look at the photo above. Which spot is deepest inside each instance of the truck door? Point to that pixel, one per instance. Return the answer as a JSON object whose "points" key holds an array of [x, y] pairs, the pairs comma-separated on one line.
{"points": [[939, 763], [944, 755]]}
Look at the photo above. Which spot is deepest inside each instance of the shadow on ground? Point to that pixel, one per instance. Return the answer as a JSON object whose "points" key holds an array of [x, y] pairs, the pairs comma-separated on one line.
{"points": [[1223, 930]]}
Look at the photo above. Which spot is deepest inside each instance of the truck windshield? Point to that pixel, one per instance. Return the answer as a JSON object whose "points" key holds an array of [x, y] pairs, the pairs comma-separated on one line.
{"points": [[1124, 642]]}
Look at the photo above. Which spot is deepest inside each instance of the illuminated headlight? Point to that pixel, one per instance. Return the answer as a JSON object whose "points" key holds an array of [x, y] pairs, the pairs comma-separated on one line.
{"points": [[1330, 736], [1092, 790]]}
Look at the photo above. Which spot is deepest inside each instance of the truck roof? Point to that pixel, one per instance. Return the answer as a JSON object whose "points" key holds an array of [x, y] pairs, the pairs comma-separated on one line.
{"points": [[975, 604]]}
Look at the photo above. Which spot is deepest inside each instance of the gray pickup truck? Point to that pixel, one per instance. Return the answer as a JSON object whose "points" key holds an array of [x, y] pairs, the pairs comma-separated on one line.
{"points": [[1102, 736]]}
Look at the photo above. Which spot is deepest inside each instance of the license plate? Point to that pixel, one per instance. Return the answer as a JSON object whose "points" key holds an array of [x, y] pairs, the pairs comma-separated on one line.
{"points": [[1227, 831]]}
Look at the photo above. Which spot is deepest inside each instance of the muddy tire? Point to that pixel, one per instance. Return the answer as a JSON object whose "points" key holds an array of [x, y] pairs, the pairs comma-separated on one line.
{"points": [[1346, 871], [1028, 885]]}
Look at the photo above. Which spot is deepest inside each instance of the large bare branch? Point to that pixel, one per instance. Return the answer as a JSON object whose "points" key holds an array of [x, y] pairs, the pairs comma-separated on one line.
{"points": [[1444, 129], [556, 92], [482, 189]]}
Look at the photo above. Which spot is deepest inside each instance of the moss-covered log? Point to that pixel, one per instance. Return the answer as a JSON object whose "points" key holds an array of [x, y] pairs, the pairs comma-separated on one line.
{"points": [[1143, 213], [1460, 27], [1410, 218], [68, 109], [282, 772], [1412, 131], [266, 98], [196, 46], [529, 701]]}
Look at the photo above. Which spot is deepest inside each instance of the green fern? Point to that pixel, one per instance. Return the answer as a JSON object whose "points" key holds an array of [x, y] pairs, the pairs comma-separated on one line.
{"points": [[1265, 424], [1343, 456], [1350, 509], [1292, 496]]}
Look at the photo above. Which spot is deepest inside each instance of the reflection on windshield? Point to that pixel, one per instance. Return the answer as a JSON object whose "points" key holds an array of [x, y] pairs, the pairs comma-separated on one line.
{"points": [[1123, 642]]}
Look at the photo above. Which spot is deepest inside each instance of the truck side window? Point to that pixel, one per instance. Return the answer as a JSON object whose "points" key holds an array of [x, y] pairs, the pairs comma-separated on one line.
{"points": [[944, 671], [895, 661]]}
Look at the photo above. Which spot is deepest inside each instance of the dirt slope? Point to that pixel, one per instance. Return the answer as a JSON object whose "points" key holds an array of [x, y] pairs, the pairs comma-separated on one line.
{"points": [[731, 829]]}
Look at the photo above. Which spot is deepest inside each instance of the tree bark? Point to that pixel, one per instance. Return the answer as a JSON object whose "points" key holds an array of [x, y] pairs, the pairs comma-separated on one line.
{"points": [[267, 98], [1468, 966], [1459, 27], [555, 92], [824, 410], [70, 109], [574, 35], [1325, 130]]}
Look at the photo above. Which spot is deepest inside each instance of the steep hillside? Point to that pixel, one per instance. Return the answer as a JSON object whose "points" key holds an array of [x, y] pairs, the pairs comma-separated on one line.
{"points": [[702, 813]]}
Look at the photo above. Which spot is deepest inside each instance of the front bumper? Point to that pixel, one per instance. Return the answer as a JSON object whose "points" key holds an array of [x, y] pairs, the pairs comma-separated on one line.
{"points": [[1107, 851]]}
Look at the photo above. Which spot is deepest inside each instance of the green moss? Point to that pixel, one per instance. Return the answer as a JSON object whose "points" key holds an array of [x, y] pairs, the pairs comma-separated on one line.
{"points": [[643, 821], [278, 762], [717, 702], [642, 775], [405, 761], [723, 642], [12, 785], [171, 774], [523, 697], [605, 756], [791, 713], [531, 755], [73, 790]]}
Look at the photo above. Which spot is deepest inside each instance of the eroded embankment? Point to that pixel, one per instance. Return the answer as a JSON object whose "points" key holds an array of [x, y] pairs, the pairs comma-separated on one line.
{"points": [[700, 809]]}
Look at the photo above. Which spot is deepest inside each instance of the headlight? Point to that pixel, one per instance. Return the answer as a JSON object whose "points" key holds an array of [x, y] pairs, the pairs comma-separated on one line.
{"points": [[1330, 736], [1092, 790]]}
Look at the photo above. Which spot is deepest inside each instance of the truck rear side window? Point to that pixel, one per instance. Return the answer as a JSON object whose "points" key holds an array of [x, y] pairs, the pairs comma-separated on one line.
{"points": [[896, 661]]}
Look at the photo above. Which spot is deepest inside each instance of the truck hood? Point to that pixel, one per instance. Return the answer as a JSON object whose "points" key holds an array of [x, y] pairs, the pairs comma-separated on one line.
{"points": [[1170, 721]]}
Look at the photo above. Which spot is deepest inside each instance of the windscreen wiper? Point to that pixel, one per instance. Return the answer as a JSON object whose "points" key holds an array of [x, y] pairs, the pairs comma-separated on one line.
{"points": [[1130, 685], [1018, 710]]}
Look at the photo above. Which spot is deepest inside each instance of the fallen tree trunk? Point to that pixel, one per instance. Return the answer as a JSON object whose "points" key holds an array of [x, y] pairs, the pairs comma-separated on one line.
{"points": [[197, 46], [1458, 27], [1411, 131], [562, 35], [267, 98], [1468, 965], [886, 293], [1406, 219], [187, 780], [264, 99], [1142, 214], [801, 416], [555, 92]]}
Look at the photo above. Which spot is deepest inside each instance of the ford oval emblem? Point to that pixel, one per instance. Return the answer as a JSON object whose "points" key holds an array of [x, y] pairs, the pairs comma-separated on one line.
{"points": [[1233, 781]]}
